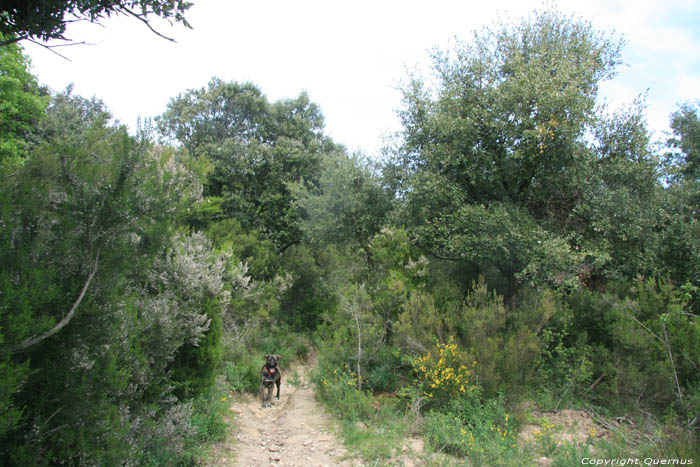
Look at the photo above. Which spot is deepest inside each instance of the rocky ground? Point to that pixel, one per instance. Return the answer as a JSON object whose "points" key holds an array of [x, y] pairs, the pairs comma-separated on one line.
{"points": [[295, 431]]}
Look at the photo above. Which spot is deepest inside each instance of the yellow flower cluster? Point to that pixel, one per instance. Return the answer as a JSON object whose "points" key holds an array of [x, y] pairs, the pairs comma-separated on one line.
{"points": [[468, 440], [506, 432], [443, 374], [546, 430], [340, 379]]}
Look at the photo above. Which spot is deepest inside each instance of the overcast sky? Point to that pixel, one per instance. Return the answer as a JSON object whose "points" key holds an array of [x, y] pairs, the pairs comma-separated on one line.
{"points": [[350, 56]]}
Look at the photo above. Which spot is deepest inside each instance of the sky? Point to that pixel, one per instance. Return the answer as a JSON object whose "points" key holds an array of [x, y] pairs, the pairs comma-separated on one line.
{"points": [[351, 57]]}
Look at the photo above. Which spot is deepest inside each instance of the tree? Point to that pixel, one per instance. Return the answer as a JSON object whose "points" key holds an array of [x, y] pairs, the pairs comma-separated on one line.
{"points": [[22, 103], [348, 205], [256, 148], [91, 351], [684, 157], [44, 20], [499, 163], [680, 248]]}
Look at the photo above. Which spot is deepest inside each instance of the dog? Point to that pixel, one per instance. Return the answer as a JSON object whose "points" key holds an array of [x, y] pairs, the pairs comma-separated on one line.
{"points": [[270, 375]]}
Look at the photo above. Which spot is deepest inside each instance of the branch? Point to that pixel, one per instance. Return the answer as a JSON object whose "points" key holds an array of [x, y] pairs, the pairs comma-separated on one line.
{"points": [[359, 348], [12, 41], [629, 315], [673, 365], [444, 258], [49, 48], [147, 23], [66, 319]]}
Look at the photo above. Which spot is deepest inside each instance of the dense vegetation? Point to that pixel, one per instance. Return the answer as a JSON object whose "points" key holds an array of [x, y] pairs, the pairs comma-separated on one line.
{"points": [[520, 242]]}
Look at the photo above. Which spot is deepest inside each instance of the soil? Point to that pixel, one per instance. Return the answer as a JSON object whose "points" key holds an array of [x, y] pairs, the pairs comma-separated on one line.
{"points": [[295, 431], [567, 426]]}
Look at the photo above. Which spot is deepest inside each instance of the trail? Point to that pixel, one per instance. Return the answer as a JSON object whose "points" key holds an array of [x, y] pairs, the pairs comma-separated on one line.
{"points": [[295, 431]]}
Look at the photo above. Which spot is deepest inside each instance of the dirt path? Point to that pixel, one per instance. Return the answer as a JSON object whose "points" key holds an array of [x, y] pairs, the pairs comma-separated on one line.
{"points": [[293, 432]]}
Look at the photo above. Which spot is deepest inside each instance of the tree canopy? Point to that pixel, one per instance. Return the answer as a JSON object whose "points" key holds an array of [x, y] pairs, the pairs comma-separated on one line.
{"points": [[256, 149], [22, 102], [506, 148], [47, 19]]}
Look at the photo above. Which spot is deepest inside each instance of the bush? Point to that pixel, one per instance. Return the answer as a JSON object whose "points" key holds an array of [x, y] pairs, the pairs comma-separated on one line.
{"points": [[338, 389], [503, 340], [243, 377], [630, 333], [443, 375], [467, 427], [381, 370]]}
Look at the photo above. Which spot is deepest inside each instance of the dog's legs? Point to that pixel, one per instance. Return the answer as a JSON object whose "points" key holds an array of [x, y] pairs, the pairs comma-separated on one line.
{"points": [[277, 383], [266, 395]]}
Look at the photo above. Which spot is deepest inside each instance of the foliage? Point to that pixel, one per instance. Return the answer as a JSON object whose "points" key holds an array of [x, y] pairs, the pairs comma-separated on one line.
{"points": [[483, 432], [679, 244], [256, 149], [243, 377], [22, 103], [508, 163], [47, 19], [89, 195], [685, 143], [347, 205], [641, 327], [504, 342], [524, 253], [447, 378]]}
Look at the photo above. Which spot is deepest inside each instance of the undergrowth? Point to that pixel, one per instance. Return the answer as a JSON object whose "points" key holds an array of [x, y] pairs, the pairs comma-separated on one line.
{"points": [[440, 401]]}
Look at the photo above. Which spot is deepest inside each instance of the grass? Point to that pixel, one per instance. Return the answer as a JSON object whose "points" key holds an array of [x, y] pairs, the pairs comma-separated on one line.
{"points": [[376, 427], [294, 379]]}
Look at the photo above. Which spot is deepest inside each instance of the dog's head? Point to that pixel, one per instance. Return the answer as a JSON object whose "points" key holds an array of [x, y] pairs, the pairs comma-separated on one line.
{"points": [[271, 360]]}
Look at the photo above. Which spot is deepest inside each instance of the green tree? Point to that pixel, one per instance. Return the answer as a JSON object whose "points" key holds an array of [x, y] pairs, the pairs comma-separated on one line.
{"points": [[347, 206], [256, 149], [684, 157], [99, 301], [507, 157], [47, 19], [680, 247], [22, 103]]}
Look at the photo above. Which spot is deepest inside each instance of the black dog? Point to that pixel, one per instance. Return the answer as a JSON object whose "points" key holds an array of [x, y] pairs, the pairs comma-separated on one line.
{"points": [[270, 375]]}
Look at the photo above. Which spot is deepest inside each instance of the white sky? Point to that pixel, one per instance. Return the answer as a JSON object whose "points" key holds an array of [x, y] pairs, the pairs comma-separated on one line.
{"points": [[351, 56]]}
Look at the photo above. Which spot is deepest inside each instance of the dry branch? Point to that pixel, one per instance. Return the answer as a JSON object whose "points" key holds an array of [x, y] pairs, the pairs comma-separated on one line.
{"points": [[66, 319]]}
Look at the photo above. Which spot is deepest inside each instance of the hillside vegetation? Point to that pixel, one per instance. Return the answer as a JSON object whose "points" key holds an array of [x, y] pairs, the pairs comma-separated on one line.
{"points": [[520, 245]]}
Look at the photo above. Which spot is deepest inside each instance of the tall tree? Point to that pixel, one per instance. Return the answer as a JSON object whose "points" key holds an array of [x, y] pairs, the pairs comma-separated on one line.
{"points": [[256, 148], [103, 312], [684, 157], [680, 249], [22, 103], [348, 205], [498, 155]]}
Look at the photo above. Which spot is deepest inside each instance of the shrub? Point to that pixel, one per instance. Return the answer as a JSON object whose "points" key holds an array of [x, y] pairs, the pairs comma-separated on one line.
{"points": [[442, 375], [503, 340], [244, 376], [468, 427], [381, 370], [338, 389]]}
